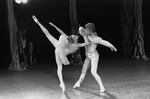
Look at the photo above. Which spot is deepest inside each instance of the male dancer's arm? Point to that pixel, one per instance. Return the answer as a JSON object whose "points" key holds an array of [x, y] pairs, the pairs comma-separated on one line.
{"points": [[105, 43], [59, 30]]}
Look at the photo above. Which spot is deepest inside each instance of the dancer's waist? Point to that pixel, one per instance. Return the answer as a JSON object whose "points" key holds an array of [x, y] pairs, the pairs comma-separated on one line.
{"points": [[90, 52]]}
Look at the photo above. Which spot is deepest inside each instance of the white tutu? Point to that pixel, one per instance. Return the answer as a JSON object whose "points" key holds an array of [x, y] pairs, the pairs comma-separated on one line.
{"points": [[62, 43]]}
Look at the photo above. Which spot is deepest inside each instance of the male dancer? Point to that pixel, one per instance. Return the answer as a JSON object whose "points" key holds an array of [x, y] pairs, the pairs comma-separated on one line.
{"points": [[64, 46], [92, 56]]}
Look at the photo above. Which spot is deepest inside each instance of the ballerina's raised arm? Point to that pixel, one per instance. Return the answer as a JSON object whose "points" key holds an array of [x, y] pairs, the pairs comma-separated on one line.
{"points": [[59, 30]]}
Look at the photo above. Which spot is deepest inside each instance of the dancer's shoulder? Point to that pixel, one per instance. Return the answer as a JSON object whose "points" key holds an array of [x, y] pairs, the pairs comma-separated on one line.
{"points": [[95, 39]]}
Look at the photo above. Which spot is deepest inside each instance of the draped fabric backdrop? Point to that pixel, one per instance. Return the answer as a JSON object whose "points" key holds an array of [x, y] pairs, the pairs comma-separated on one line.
{"points": [[13, 30], [76, 57], [132, 29]]}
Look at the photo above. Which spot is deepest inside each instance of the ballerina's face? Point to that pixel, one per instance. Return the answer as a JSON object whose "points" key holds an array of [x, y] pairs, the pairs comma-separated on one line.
{"points": [[75, 37], [88, 32]]}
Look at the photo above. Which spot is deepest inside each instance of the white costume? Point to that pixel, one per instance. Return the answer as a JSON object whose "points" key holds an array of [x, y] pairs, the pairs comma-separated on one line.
{"points": [[92, 58], [91, 48], [60, 48]]}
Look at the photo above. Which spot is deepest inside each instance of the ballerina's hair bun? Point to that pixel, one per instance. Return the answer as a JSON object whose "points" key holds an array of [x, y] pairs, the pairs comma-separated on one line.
{"points": [[72, 38]]}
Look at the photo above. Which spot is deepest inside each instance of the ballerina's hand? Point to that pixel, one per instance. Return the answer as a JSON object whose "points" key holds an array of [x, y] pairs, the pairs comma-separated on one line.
{"points": [[51, 24], [34, 18], [82, 31]]}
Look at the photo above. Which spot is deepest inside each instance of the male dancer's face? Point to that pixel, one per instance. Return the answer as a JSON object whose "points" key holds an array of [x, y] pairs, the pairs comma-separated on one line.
{"points": [[87, 31]]}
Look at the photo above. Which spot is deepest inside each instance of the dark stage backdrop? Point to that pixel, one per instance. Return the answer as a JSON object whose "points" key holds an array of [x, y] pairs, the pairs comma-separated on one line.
{"points": [[105, 14], [146, 27], [4, 36]]}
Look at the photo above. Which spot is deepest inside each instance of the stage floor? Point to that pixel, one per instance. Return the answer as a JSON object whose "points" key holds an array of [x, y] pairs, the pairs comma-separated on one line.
{"points": [[123, 79]]}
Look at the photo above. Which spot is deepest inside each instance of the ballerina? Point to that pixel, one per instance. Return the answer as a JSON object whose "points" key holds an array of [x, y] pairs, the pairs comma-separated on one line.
{"points": [[64, 46], [92, 56]]}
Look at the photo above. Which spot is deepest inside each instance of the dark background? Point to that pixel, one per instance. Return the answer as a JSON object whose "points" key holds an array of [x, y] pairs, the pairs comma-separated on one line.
{"points": [[105, 14]]}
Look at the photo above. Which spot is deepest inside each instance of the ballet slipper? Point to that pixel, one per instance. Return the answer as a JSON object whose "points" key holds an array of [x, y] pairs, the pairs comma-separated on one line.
{"points": [[76, 85], [102, 90], [62, 86], [35, 19]]}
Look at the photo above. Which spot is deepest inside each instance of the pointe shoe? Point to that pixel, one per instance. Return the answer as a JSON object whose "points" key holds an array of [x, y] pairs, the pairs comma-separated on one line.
{"points": [[102, 91], [62, 86], [34, 18], [76, 85]]}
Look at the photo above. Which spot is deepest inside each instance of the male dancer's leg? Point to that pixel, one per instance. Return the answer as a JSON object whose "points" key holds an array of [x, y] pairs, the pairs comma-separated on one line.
{"points": [[94, 66], [46, 32], [86, 66], [59, 70]]}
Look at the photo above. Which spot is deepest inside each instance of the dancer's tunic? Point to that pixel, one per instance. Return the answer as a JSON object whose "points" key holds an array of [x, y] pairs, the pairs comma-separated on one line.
{"points": [[91, 48]]}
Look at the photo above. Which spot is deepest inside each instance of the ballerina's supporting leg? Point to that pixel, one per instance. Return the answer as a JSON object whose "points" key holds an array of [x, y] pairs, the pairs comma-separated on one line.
{"points": [[59, 70], [58, 61]]}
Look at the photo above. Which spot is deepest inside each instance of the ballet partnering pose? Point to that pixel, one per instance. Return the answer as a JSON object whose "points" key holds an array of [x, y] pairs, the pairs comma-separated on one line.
{"points": [[64, 46], [92, 56]]}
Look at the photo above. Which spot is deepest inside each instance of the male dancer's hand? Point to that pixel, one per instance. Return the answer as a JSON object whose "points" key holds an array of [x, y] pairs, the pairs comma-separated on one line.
{"points": [[113, 49], [35, 19]]}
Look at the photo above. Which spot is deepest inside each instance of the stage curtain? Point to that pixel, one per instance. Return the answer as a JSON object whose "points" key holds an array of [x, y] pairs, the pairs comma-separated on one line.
{"points": [[76, 57], [132, 28], [13, 29]]}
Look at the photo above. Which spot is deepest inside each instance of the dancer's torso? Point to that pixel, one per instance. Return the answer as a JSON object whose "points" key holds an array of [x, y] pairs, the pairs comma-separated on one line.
{"points": [[91, 48], [65, 46]]}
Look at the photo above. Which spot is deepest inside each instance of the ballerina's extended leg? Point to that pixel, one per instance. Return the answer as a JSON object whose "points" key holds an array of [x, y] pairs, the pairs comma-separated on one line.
{"points": [[46, 32], [59, 44], [55, 43]]}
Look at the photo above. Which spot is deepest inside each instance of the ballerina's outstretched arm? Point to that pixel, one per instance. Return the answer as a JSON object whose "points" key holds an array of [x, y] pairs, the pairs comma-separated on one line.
{"points": [[46, 32], [59, 30], [86, 42]]}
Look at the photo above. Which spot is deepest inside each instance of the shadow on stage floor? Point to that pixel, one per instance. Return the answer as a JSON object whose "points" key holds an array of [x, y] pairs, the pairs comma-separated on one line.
{"points": [[123, 79]]}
